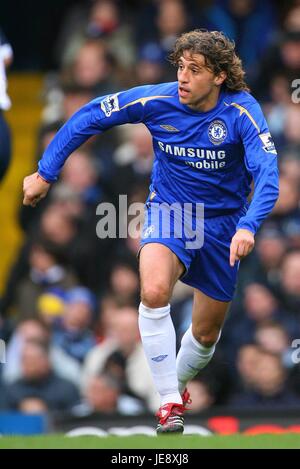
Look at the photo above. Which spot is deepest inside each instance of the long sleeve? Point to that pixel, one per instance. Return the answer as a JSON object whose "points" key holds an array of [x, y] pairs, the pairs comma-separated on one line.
{"points": [[6, 51], [261, 162], [95, 117]]}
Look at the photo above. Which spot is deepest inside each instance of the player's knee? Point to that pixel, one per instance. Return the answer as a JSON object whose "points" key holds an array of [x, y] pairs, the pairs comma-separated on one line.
{"points": [[155, 296], [207, 338]]}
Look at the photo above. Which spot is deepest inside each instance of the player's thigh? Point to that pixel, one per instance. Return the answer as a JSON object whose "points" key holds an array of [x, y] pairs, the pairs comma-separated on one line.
{"points": [[208, 317], [160, 268]]}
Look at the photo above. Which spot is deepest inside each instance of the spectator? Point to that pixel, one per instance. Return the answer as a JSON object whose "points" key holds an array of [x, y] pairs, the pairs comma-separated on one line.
{"points": [[50, 305], [290, 282], [37, 331], [284, 54], [286, 213], [103, 19], [124, 345], [124, 284], [92, 68], [277, 108], [74, 96], [171, 19], [80, 175], [33, 405], [274, 338], [6, 58], [259, 306], [72, 331], [45, 270], [150, 66], [271, 248], [247, 358], [38, 381], [250, 23], [104, 394], [290, 166], [268, 388], [201, 396], [133, 160]]}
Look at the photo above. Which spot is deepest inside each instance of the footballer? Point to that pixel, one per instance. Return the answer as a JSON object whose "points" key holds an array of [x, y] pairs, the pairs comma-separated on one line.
{"points": [[211, 141]]}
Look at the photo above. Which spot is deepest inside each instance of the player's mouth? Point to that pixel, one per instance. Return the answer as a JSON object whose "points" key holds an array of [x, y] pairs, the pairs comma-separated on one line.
{"points": [[183, 92]]}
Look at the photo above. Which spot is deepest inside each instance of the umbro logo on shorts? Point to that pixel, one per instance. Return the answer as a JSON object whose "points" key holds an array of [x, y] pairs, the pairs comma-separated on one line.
{"points": [[159, 358]]}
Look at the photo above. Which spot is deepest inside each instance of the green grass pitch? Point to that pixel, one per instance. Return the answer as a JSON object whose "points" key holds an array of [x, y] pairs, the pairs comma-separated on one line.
{"points": [[281, 441]]}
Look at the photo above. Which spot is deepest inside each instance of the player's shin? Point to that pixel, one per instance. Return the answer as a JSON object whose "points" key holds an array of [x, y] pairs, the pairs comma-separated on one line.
{"points": [[191, 358], [159, 342]]}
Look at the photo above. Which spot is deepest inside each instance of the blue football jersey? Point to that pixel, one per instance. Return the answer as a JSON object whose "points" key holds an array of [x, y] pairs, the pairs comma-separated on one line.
{"points": [[200, 157]]}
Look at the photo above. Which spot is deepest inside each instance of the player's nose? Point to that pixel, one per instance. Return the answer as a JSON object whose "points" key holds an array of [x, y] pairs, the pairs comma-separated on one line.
{"points": [[183, 77]]}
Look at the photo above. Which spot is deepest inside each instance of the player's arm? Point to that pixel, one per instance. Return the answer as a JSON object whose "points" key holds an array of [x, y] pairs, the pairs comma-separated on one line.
{"points": [[93, 118], [6, 51], [261, 162]]}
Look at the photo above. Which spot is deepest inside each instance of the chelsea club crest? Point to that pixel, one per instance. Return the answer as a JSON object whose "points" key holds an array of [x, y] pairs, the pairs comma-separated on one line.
{"points": [[217, 132]]}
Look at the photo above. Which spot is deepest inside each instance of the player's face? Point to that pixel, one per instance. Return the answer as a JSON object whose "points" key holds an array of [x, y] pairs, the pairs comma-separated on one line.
{"points": [[197, 85]]}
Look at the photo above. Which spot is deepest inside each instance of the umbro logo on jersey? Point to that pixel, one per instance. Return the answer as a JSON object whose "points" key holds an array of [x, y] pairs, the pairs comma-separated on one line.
{"points": [[169, 128], [159, 358]]}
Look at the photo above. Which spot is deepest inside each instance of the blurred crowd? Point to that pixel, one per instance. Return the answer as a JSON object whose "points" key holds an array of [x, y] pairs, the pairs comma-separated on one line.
{"points": [[69, 310]]}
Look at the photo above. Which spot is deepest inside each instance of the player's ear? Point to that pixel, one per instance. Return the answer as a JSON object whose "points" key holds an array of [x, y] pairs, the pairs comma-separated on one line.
{"points": [[219, 79]]}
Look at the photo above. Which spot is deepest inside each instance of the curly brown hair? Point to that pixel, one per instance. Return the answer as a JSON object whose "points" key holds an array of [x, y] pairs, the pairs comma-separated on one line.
{"points": [[219, 54]]}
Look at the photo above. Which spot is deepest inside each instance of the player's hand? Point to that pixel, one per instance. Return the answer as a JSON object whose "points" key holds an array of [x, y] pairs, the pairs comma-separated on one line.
{"points": [[35, 188], [241, 245]]}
